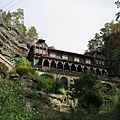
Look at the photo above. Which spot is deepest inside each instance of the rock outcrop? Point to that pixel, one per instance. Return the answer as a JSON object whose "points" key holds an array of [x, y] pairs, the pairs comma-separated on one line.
{"points": [[13, 43]]}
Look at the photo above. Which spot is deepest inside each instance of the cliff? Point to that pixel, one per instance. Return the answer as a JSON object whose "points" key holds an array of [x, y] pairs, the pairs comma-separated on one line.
{"points": [[13, 43]]}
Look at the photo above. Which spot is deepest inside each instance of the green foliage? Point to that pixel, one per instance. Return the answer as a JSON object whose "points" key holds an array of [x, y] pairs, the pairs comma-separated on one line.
{"points": [[33, 71], [116, 58], [22, 70], [32, 33], [21, 62], [116, 111], [23, 67], [13, 18], [12, 103], [49, 83], [16, 19], [22, 29], [98, 40], [63, 91], [79, 114], [88, 90]]}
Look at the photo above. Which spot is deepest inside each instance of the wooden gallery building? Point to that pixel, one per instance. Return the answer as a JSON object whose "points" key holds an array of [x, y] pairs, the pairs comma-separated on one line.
{"points": [[49, 59]]}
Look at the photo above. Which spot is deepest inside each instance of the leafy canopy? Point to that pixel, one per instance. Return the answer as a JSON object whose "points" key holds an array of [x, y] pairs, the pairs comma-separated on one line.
{"points": [[88, 90], [32, 33]]}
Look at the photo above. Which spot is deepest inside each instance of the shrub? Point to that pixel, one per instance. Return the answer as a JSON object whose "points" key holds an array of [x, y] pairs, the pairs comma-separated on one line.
{"points": [[21, 62], [63, 91], [49, 83], [33, 71], [22, 70], [12, 103]]}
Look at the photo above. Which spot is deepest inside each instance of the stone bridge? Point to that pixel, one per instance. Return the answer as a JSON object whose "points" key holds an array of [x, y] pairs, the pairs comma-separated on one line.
{"points": [[5, 62]]}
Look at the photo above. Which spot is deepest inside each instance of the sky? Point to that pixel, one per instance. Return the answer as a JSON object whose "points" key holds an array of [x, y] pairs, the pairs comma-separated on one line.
{"points": [[65, 24]]}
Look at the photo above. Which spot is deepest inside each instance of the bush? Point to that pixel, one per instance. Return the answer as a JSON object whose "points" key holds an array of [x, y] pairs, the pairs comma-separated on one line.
{"points": [[63, 91], [12, 103], [23, 70], [21, 62], [49, 83]]}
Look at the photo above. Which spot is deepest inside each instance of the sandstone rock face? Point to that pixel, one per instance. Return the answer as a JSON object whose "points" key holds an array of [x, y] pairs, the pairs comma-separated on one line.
{"points": [[13, 43]]}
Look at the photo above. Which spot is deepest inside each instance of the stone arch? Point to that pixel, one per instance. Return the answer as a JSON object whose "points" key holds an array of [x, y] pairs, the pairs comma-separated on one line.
{"points": [[104, 73], [73, 68], [53, 64], [85, 68], [66, 67], [109, 88], [79, 68], [92, 69], [60, 65], [46, 63], [47, 75], [64, 80], [98, 71]]}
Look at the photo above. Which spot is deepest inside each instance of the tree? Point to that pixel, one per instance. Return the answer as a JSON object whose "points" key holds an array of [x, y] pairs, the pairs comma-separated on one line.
{"points": [[115, 61], [22, 29], [98, 40], [88, 90], [32, 33], [6, 18], [18, 17], [118, 5], [18, 20], [15, 19]]}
